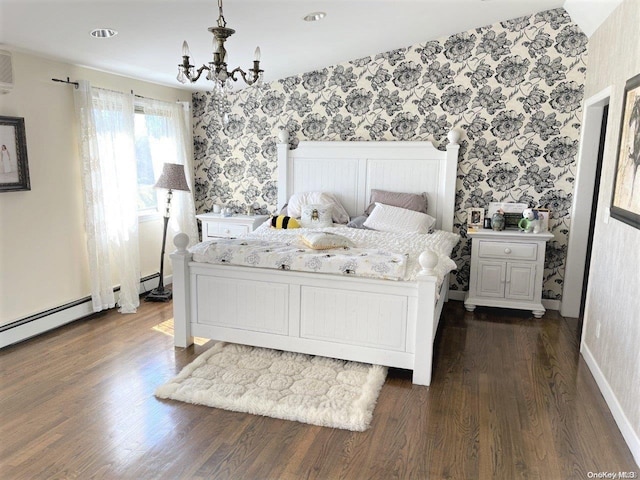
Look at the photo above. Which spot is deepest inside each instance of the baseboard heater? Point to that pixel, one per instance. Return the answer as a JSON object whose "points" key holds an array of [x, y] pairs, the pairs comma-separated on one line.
{"points": [[46, 320]]}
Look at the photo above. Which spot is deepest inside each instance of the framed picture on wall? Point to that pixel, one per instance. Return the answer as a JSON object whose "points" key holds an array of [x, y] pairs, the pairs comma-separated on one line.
{"points": [[625, 203], [14, 168]]}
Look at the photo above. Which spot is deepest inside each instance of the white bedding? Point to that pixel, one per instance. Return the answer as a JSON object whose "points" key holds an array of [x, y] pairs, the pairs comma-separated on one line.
{"points": [[395, 245]]}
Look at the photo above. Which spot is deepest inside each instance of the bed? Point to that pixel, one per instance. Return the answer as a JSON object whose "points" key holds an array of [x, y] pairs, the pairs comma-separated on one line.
{"points": [[370, 320]]}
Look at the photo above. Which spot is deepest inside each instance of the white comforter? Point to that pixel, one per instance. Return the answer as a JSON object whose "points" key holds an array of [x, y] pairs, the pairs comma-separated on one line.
{"points": [[401, 251]]}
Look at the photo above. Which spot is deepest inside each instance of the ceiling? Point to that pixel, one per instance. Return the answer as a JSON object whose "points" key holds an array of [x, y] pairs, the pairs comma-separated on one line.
{"points": [[148, 45]]}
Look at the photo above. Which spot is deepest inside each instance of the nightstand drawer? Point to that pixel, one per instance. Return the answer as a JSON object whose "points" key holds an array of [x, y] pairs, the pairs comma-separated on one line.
{"points": [[213, 225], [227, 230], [219, 229], [506, 250]]}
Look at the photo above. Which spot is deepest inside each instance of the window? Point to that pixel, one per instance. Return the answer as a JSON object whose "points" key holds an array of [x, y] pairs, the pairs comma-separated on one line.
{"points": [[147, 171], [150, 139]]}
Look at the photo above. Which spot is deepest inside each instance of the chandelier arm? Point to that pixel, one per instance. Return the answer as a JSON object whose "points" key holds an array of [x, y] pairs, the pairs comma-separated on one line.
{"points": [[249, 81], [200, 70], [232, 74]]}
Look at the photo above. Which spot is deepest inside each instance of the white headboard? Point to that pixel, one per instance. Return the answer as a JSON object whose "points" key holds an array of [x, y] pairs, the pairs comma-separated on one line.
{"points": [[351, 169]]}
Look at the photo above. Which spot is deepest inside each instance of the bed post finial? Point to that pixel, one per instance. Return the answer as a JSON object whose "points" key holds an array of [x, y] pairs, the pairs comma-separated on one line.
{"points": [[428, 261], [181, 241], [453, 136], [283, 136]]}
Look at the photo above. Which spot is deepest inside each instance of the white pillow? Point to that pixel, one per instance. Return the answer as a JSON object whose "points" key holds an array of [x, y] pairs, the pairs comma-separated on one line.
{"points": [[298, 200], [316, 216], [395, 219], [325, 240]]}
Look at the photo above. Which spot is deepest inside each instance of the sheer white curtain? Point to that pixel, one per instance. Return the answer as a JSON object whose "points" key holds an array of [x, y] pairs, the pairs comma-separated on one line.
{"points": [[107, 147], [169, 135]]}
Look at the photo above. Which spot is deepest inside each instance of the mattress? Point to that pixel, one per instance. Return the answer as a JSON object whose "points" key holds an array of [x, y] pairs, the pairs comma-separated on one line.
{"points": [[383, 255]]}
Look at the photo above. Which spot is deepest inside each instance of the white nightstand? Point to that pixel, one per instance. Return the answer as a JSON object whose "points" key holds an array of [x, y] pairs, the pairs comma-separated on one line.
{"points": [[507, 270], [214, 225]]}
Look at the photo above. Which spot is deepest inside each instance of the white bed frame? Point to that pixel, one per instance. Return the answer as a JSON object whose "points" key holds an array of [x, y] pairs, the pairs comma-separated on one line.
{"points": [[360, 319]]}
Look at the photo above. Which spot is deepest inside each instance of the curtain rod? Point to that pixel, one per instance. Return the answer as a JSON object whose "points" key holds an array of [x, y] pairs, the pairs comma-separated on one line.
{"points": [[66, 81], [77, 85]]}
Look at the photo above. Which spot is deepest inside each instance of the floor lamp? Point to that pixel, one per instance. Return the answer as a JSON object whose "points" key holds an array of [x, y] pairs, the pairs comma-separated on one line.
{"points": [[172, 178]]}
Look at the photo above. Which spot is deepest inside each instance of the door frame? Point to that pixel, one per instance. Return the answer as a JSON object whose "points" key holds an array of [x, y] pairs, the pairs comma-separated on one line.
{"points": [[583, 202]]}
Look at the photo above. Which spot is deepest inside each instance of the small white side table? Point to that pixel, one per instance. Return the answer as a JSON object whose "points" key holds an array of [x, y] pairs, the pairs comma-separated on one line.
{"points": [[507, 270], [214, 225]]}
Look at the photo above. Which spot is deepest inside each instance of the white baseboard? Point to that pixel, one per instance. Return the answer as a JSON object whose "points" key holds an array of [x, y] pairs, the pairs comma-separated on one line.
{"points": [[548, 304], [44, 324], [626, 428], [44, 321]]}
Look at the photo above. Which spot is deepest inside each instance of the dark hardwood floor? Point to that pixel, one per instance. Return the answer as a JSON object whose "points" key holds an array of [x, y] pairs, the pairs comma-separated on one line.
{"points": [[511, 398]]}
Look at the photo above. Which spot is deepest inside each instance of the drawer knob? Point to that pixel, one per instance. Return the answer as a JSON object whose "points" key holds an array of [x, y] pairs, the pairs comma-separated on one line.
{"points": [[507, 250]]}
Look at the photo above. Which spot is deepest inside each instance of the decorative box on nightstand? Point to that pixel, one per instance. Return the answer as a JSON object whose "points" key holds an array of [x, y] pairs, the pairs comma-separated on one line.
{"points": [[214, 225], [507, 270]]}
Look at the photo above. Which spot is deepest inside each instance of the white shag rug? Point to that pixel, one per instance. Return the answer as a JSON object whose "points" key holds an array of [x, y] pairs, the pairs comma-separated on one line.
{"points": [[291, 386]]}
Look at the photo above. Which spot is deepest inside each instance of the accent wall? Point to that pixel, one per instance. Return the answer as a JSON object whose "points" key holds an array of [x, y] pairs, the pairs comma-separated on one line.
{"points": [[513, 89]]}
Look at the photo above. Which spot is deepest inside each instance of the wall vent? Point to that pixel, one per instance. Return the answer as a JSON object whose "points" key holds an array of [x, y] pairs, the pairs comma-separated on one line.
{"points": [[6, 72]]}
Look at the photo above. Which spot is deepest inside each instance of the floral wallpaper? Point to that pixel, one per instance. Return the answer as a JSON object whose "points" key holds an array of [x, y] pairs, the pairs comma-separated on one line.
{"points": [[513, 89]]}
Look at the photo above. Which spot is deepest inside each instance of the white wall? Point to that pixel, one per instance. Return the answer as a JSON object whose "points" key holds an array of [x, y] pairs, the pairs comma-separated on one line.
{"points": [[613, 299], [43, 259]]}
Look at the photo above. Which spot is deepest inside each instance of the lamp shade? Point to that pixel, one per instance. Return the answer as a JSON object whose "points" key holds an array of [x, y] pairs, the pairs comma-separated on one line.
{"points": [[173, 178]]}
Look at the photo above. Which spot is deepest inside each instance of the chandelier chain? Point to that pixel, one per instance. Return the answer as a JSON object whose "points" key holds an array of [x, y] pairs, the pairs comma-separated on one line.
{"points": [[222, 22]]}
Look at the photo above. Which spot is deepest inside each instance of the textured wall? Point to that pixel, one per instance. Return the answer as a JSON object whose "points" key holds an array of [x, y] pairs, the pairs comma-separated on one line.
{"points": [[513, 89], [612, 297]]}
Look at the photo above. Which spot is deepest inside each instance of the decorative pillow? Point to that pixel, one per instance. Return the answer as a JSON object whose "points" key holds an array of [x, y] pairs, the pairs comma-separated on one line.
{"points": [[417, 202], [388, 218], [316, 216], [357, 222], [298, 200], [325, 240], [282, 221]]}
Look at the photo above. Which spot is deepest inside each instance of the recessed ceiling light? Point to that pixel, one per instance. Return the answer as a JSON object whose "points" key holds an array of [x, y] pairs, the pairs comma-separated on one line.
{"points": [[314, 17], [103, 33]]}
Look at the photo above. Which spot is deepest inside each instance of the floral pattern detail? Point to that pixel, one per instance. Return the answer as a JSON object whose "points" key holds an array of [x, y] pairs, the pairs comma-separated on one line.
{"points": [[513, 89], [289, 256]]}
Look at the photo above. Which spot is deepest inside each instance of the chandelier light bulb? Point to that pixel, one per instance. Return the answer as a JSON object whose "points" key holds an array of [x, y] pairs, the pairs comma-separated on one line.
{"points": [[256, 55], [185, 49]]}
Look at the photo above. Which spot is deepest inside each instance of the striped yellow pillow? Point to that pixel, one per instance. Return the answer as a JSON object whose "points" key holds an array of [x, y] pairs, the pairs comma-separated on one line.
{"points": [[283, 221]]}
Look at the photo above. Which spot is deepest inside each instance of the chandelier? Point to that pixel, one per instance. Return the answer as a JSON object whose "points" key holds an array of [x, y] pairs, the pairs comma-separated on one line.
{"points": [[217, 69]]}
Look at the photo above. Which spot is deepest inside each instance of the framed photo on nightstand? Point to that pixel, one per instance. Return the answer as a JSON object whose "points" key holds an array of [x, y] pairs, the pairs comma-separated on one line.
{"points": [[543, 217], [475, 217]]}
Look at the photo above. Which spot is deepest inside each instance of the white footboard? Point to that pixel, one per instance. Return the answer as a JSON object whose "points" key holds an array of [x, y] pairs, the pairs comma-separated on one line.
{"points": [[366, 320]]}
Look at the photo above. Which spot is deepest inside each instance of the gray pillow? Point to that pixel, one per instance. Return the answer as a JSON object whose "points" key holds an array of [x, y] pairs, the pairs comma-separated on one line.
{"points": [[411, 201], [358, 222]]}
